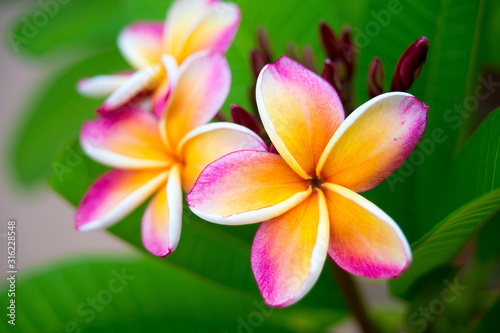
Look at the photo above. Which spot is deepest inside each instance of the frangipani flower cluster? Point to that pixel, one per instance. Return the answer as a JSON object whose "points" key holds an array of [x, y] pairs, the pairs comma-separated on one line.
{"points": [[306, 197], [161, 156], [191, 26], [304, 189]]}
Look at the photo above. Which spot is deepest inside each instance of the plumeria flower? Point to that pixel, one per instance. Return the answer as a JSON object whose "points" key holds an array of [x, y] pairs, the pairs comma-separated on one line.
{"points": [[161, 156], [191, 26], [307, 195]]}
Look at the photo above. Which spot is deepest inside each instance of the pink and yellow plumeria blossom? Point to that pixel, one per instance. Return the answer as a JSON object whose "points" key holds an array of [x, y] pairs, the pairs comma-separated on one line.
{"points": [[161, 156], [191, 26], [306, 196]]}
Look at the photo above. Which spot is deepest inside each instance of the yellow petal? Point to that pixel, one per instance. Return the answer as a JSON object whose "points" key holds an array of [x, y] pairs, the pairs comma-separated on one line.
{"points": [[210, 142], [373, 141], [300, 112], [289, 251], [246, 187]]}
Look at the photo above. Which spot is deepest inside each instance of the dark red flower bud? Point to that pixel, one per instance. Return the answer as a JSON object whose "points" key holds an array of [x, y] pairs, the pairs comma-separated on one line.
{"points": [[410, 64], [258, 62], [347, 49], [244, 118], [375, 78], [331, 75], [308, 58], [329, 41], [265, 45], [272, 149]]}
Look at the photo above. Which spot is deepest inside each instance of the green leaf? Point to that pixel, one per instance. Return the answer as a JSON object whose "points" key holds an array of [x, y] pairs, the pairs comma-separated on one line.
{"points": [[475, 171], [489, 323], [136, 294], [55, 116], [440, 245], [85, 24], [488, 246], [219, 253]]}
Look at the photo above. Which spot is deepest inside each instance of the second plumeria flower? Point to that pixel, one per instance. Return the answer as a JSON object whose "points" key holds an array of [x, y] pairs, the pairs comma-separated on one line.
{"points": [[162, 156], [191, 26], [306, 196]]}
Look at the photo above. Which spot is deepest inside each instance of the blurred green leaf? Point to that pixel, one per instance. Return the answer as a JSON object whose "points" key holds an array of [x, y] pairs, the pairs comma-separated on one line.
{"points": [[489, 323], [440, 245], [219, 253], [136, 294], [55, 116], [51, 26], [488, 246], [475, 171]]}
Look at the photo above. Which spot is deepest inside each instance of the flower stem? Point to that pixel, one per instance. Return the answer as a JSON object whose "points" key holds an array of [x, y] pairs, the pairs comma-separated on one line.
{"points": [[351, 294]]}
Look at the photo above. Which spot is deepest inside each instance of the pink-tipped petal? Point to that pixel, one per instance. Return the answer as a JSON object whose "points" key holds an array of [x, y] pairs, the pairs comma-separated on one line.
{"points": [[101, 85], [289, 251], [114, 195], [141, 43], [162, 220], [144, 81], [127, 140], [215, 32], [363, 239], [300, 112], [163, 91], [183, 17], [373, 141], [201, 90], [246, 187], [210, 142]]}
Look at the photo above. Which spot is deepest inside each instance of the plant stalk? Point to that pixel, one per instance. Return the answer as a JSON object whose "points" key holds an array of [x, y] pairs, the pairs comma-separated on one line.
{"points": [[351, 294]]}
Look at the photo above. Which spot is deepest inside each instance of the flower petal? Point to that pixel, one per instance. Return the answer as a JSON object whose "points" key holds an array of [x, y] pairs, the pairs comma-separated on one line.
{"points": [[215, 32], [101, 85], [363, 239], [114, 195], [141, 43], [125, 140], [201, 90], [246, 187], [289, 251], [163, 91], [162, 220], [373, 141], [300, 112], [143, 81], [210, 142], [183, 16]]}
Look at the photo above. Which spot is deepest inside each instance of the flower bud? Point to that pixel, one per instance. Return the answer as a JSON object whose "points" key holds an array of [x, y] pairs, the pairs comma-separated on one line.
{"points": [[331, 75], [308, 58], [258, 62], [291, 50], [244, 118], [347, 49], [329, 41], [272, 149], [375, 79], [410, 64], [265, 45]]}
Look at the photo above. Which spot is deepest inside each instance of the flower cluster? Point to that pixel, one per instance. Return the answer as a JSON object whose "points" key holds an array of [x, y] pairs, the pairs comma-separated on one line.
{"points": [[153, 130]]}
